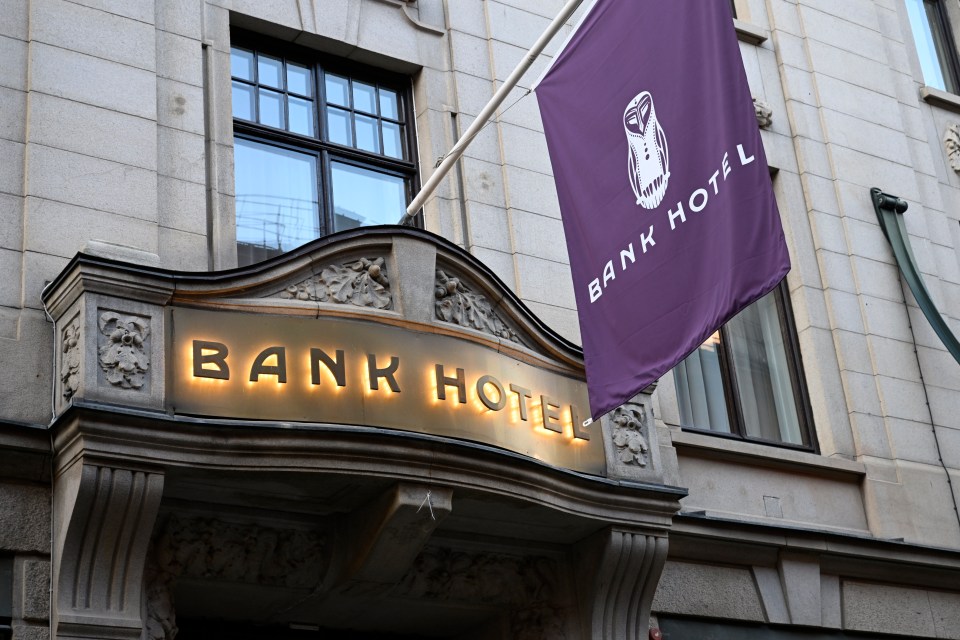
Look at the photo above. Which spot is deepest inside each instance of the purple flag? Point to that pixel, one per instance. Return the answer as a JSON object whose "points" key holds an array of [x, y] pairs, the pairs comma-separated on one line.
{"points": [[667, 204]]}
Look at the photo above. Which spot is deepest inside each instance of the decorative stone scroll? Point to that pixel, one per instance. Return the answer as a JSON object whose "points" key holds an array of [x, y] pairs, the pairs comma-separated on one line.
{"points": [[70, 360], [123, 354], [630, 435], [951, 142], [764, 113], [457, 304], [100, 556], [362, 283]]}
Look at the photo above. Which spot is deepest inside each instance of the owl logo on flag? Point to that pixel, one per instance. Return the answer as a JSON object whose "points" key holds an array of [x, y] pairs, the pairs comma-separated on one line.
{"points": [[648, 162]]}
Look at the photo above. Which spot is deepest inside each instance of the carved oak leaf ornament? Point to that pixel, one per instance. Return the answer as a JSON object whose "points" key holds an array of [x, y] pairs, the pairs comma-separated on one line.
{"points": [[363, 283], [123, 358], [632, 447], [951, 141], [459, 305]]}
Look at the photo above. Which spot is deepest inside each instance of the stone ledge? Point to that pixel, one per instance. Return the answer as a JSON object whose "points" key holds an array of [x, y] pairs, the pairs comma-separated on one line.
{"points": [[939, 98], [763, 455], [750, 33]]}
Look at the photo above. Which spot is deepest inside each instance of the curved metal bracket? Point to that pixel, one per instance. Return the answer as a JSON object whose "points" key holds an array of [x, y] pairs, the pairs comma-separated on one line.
{"points": [[890, 211]]}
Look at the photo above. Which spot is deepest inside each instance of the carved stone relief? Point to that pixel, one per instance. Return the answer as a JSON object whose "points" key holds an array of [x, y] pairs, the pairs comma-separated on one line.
{"points": [[70, 360], [457, 304], [207, 548], [226, 551], [123, 352], [630, 435], [362, 283], [525, 586], [764, 113], [951, 141]]}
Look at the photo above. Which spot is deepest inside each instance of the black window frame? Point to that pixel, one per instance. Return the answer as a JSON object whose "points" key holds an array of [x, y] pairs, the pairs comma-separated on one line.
{"points": [[318, 145], [797, 384], [949, 61]]}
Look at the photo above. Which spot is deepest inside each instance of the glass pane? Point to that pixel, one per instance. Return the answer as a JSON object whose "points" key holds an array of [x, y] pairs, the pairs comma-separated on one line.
{"points": [[756, 344], [271, 108], [941, 43], [338, 126], [241, 64], [368, 138], [925, 23], [700, 388], [301, 115], [338, 90], [270, 71], [391, 140], [389, 106], [243, 101], [298, 79], [364, 97], [362, 197], [277, 204]]}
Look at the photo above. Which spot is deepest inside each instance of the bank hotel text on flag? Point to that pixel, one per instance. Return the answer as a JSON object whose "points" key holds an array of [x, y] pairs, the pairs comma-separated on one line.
{"points": [[666, 198]]}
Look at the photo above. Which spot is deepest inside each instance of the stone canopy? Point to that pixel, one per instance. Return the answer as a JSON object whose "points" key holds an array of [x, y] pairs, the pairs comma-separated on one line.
{"points": [[198, 479]]}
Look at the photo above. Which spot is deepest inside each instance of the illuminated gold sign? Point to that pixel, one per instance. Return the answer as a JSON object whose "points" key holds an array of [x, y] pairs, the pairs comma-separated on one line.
{"points": [[340, 371]]}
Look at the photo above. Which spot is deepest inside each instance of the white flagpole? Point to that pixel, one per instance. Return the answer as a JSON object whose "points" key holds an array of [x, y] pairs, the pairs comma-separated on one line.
{"points": [[487, 112]]}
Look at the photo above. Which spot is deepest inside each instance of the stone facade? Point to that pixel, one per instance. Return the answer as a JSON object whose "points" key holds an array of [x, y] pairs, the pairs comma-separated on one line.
{"points": [[116, 140]]}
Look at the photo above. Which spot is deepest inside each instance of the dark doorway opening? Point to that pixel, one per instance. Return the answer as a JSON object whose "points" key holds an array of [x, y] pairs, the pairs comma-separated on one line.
{"points": [[231, 630]]}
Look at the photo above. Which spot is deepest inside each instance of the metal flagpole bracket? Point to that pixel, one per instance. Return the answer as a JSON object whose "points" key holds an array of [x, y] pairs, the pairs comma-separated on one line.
{"points": [[890, 210]]}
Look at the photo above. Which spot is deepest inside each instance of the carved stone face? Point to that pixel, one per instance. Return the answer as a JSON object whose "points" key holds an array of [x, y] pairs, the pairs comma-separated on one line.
{"points": [[648, 160]]}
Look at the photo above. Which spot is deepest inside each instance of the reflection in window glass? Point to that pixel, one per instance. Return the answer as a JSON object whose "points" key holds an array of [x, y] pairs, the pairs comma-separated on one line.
{"points": [[368, 137], [338, 90], [362, 197], [388, 104], [338, 126], [271, 109], [933, 44], [241, 64], [270, 71], [364, 97], [298, 79], [277, 204], [392, 145], [243, 106], [301, 116]]}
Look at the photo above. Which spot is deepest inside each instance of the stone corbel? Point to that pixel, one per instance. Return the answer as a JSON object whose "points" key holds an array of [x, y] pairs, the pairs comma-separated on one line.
{"points": [[617, 575], [385, 538], [104, 518]]}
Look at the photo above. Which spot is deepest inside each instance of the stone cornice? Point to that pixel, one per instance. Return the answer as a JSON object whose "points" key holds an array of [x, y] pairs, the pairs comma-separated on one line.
{"points": [[147, 439]]}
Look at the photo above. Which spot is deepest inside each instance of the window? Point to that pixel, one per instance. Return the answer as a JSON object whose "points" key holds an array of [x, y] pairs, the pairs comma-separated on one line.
{"points": [[320, 145], [744, 380], [931, 33]]}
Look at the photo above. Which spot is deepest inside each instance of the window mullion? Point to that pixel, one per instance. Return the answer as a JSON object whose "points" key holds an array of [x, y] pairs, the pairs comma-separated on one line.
{"points": [[730, 391]]}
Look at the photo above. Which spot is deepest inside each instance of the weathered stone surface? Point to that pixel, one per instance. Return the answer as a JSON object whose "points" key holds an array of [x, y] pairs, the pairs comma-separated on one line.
{"points": [[703, 590], [34, 577], [26, 518]]}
